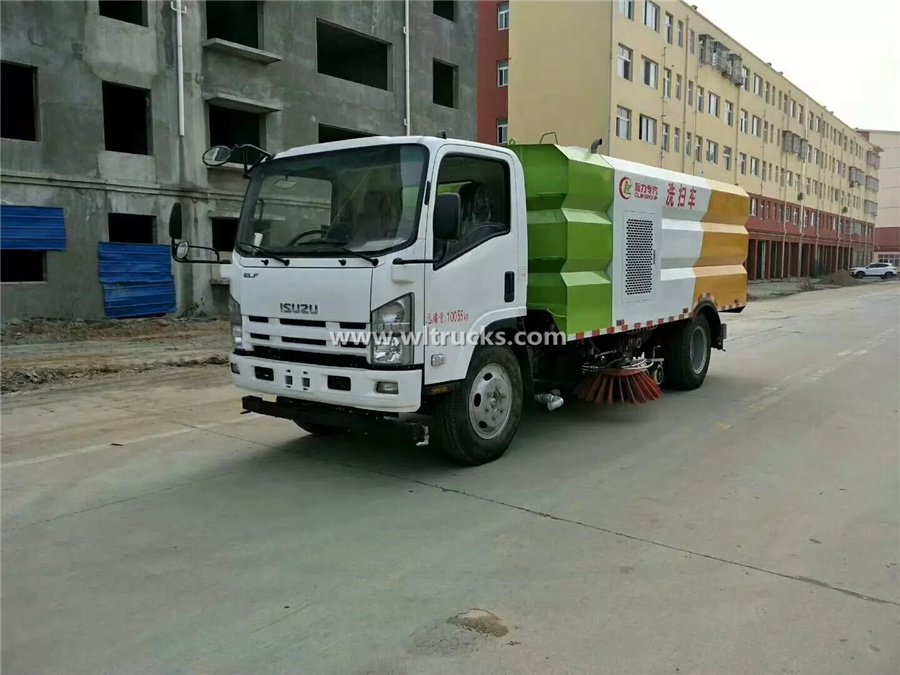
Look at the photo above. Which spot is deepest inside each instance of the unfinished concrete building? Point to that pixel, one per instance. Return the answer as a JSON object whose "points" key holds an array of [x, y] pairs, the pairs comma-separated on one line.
{"points": [[108, 105]]}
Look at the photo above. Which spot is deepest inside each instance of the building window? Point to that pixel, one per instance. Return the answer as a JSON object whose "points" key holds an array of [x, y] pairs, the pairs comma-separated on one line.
{"points": [[754, 207], [743, 121], [701, 94], [667, 83], [627, 8], [790, 178], [233, 21], [502, 73], [625, 56], [713, 104], [446, 9], [800, 119], [754, 166], [676, 140], [623, 123], [502, 131], [651, 72], [793, 108], [443, 84], [726, 157], [18, 266], [698, 149], [228, 126], [729, 113], [690, 93], [670, 27], [129, 11], [18, 102], [756, 126], [764, 172], [127, 228], [665, 137], [712, 152], [651, 15], [742, 163], [681, 33], [745, 78], [765, 133], [126, 119], [678, 81], [351, 56], [503, 16], [688, 143], [757, 85], [224, 233], [767, 91], [648, 129]]}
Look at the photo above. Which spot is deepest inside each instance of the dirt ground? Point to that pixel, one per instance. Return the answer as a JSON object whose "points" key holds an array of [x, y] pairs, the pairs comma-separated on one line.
{"points": [[42, 352]]}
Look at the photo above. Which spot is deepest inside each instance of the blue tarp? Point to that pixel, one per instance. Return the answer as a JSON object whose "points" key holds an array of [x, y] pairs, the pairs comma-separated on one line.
{"points": [[32, 228], [137, 279]]}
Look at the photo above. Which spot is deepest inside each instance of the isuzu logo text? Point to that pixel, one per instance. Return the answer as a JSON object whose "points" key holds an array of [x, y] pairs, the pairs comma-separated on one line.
{"points": [[298, 308]]}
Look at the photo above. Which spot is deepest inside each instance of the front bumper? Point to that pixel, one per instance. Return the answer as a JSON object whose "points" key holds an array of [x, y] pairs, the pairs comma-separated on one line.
{"points": [[342, 418], [350, 387]]}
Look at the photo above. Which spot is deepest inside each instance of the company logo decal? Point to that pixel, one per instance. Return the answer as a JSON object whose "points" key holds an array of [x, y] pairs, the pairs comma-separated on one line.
{"points": [[628, 189]]}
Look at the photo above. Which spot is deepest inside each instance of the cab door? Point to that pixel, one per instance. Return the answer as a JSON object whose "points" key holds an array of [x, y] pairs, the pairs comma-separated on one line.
{"points": [[474, 279]]}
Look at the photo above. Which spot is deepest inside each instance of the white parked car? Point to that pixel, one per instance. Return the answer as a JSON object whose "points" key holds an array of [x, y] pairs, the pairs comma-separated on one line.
{"points": [[876, 269]]}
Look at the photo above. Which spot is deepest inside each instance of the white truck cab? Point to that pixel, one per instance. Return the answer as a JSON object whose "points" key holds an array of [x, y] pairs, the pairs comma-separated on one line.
{"points": [[351, 258]]}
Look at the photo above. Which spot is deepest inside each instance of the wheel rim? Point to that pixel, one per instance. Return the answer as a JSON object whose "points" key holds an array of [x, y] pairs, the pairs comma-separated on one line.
{"points": [[699, 350], [490, 401]]}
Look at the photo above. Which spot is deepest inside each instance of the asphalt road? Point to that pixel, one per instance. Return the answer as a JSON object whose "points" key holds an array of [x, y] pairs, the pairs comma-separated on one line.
{"points": [[752, 526]]}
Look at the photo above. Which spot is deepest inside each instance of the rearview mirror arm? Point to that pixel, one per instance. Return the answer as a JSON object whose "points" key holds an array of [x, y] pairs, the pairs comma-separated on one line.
{"points": [[218, 259]]}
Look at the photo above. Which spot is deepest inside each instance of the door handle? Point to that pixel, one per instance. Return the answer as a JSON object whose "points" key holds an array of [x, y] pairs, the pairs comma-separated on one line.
{"points": [[509, 286]]}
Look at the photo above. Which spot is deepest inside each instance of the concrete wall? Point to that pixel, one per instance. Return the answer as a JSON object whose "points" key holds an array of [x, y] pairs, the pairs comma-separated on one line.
{"points": [[75, 50]]}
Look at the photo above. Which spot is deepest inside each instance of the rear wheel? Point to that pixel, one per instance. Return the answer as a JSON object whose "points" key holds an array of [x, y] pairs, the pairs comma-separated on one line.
{"points": [[887, 275], [316, 429], [477, 421], [687, 354]]}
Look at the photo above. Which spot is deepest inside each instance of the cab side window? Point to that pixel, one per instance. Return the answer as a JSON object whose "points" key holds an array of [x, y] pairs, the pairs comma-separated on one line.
{"points": [[483, 188]]}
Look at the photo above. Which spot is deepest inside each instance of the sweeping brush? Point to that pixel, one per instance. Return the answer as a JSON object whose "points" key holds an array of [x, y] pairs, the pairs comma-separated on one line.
{"points": [[632, 384]]}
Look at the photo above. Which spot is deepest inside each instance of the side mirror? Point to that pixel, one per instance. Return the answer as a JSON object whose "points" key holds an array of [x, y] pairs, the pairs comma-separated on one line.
{"points": [[175, 221], [181, 251], [217, 155], [447, 216]]}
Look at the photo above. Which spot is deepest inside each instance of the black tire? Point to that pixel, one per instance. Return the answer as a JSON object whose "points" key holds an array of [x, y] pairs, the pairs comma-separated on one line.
{"points": [[316, 429], [456, 429], [860, 275], [680, 371], [887, 275]]}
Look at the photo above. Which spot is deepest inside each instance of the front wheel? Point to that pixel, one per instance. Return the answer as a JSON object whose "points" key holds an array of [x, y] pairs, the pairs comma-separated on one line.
{"points": [[860, 275], [477, 421], [687, 354]]}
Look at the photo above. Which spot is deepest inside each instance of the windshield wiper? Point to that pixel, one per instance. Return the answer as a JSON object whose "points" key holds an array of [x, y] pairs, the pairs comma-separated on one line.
{"points": [[339, 247], [265, 251]]}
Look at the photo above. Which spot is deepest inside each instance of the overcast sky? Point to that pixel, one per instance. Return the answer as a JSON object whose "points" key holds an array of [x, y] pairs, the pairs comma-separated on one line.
{"points": [[845, 55]]}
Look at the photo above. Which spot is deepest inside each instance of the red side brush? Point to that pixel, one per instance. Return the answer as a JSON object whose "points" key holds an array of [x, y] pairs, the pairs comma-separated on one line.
{"points": [[619, 385]]}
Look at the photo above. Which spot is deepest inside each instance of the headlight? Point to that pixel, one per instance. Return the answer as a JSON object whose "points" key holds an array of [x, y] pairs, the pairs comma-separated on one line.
{"points": [[390, 343], [237, 330]]}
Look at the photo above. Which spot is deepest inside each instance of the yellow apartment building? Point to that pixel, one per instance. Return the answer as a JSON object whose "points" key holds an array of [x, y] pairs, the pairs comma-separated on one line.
{"points": [[662, 85]]}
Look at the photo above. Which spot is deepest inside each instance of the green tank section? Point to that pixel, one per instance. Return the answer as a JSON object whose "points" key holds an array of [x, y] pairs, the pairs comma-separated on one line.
{"points": [[568, 192]]}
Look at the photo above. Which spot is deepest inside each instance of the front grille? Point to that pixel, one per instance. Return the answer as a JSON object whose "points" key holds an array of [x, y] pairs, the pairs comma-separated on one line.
{"points": [[311, 358]]}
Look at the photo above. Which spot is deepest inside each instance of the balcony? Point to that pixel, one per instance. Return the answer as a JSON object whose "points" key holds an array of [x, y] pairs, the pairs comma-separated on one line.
{"points": [[871, 183]]}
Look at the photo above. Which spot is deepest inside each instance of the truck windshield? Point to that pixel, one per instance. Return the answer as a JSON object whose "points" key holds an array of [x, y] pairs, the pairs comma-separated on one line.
{"points": [[363, 199]]}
